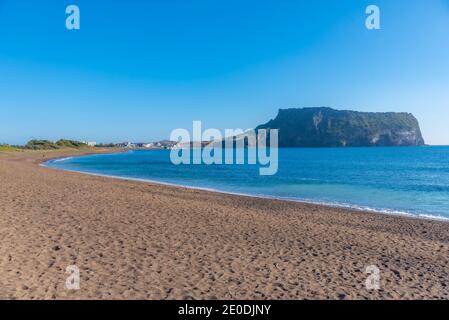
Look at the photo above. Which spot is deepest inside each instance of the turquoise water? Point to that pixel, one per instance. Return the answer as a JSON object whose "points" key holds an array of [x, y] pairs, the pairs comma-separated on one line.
{"points": [[393, 180]]}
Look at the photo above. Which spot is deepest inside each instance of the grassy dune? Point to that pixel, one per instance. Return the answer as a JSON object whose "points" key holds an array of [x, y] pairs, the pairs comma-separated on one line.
{"points": [[5, 147]]}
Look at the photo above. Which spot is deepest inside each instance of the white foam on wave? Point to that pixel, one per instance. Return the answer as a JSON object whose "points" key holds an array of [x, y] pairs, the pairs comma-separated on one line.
{"points": [[61, 159]]}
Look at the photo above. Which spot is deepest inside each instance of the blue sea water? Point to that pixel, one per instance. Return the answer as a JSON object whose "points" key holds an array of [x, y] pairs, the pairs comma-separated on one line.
{"points": [[405, 180]]}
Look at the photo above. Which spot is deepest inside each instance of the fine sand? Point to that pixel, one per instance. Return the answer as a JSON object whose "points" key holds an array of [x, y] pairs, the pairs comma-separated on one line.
{"points": [[135, 240]]}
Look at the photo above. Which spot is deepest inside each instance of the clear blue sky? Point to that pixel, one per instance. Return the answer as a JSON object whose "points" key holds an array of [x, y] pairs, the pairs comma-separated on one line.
{"points": [[138, 69]]}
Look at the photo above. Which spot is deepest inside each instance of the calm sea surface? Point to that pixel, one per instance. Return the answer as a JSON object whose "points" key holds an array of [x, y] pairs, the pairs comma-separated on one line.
{"points": [[392, 180]]}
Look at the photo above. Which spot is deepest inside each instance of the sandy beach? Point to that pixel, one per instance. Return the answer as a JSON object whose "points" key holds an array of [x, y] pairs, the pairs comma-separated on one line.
{"points": [[135, 240]]}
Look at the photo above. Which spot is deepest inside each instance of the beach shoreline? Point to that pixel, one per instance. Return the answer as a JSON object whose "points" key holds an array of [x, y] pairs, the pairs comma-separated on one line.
{"points": [[145, 240], [303, 201]]}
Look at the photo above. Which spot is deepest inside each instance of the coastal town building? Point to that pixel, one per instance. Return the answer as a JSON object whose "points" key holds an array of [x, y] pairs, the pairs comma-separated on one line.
{"points": [[90, 143]]}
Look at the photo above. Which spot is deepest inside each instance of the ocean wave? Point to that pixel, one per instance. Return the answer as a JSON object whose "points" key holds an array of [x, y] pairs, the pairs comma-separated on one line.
{"points": [[61, 159]]}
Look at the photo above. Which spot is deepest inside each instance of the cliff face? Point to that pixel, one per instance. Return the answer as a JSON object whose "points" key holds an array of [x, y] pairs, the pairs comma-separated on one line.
{"points": [[326, 127]]}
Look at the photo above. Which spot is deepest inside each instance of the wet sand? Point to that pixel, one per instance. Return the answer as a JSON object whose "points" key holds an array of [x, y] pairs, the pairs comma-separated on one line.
{"points": [[136, 240]]}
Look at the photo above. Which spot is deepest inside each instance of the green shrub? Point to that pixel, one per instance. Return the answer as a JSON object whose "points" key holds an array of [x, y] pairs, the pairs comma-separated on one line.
{"points": [[6, 147], [49, 145], [105, 145], [70, 144], [41, 145]]}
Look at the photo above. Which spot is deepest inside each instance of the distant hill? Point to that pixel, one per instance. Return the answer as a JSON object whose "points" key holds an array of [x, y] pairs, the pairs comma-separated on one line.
{"points": [[326, 127]]}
